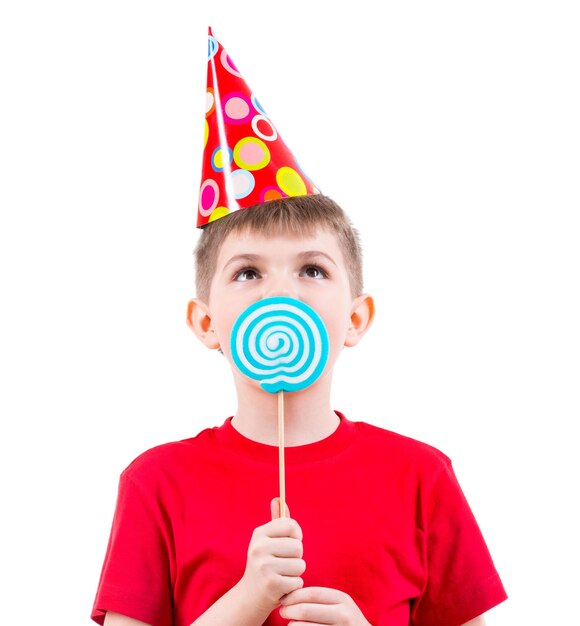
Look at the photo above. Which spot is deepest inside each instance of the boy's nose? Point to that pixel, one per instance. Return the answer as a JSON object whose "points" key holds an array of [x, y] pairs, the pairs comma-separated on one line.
{"points": [[281, 286]]}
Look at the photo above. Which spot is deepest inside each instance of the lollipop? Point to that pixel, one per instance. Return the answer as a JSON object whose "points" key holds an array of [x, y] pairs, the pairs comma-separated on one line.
{"points": [[283, 343]]}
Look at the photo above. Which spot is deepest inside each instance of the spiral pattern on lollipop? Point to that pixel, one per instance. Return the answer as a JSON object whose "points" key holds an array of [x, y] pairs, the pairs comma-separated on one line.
{"points": [[282, 342]]}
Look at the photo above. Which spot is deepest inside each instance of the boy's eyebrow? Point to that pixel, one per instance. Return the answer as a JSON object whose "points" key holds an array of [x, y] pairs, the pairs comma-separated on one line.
{"points": [[310, 253], [248, 258], [254, 258]]}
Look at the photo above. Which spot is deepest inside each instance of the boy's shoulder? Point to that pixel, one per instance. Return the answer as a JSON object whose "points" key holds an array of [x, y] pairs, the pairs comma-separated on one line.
{"points": [[380, 440], [166, 457]]}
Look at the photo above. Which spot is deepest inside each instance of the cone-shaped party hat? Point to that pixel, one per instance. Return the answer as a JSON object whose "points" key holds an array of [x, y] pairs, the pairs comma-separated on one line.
{"points": [[245, 161]]}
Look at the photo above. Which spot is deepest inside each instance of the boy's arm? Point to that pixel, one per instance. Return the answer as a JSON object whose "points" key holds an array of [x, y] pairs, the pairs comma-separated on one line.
{"points": [[478, 621], [234, 607]]}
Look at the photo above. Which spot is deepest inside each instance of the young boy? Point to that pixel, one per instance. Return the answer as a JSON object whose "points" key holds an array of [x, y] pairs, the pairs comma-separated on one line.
{"points": [[380, 532], [377, 532]]}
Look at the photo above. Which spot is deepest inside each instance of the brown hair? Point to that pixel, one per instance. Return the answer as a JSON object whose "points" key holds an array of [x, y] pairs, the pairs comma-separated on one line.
{"points": [[298, 215]]}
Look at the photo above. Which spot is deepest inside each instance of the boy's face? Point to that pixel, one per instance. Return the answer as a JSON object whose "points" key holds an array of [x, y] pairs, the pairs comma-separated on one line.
{"points": [[251, 267]]}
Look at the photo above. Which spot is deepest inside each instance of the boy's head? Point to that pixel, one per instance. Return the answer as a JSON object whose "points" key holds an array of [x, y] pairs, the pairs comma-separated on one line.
{"points": [[303, 247], [294, 216]]}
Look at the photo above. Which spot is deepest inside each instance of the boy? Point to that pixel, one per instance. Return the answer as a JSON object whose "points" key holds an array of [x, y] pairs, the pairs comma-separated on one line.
{"points": [[378, 531]]}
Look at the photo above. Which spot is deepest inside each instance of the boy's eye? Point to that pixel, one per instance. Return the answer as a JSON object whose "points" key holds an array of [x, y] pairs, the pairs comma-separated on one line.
{"points": [[313, 271], [247, 273]]}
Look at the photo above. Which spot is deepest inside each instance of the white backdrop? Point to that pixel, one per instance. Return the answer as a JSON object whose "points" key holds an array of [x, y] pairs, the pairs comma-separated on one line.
{"points": [[449, 131]]}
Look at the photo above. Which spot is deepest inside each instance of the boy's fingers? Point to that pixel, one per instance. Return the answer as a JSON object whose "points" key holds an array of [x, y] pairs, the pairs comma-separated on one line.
{"points": [[286, 527], [287, 547], [315, 595], [275, 508]]}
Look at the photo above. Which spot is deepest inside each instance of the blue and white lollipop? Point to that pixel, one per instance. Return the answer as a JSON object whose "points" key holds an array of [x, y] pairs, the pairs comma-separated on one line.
{"points": [[282, 342]]}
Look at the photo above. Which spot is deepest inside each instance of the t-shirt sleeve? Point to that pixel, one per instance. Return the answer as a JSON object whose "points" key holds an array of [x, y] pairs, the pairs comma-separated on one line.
{"points": [[462, 581], [135, 578]]}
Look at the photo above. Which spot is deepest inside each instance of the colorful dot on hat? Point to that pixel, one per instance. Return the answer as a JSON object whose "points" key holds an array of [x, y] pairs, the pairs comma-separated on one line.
{"points": [[271, 193], [243, 183], [251, 153], [290, 181], [257, 105], [229, 64], [220, 211], [236, 108], [208, 197], [205, 134], [221, 158], [264, 128], [209, 102], [212, 47]]}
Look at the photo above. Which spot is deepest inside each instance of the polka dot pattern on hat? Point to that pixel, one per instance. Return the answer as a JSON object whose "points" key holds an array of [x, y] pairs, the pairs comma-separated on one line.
{"points": [[245, 161]]}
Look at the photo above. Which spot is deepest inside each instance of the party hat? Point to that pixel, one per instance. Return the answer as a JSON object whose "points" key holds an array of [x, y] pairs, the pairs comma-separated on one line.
{"points": [[245, 161]]}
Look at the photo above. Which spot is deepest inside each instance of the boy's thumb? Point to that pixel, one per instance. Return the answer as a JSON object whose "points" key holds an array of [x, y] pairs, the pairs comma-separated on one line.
{"points": [[275, 508]]}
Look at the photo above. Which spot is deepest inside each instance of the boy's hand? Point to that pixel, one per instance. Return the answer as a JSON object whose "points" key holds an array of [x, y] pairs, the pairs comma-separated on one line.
{"points": [[274, 563], [321, 605]]}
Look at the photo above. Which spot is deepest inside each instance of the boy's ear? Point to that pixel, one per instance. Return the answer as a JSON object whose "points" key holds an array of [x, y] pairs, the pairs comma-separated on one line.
{"points": [[199, 320], [361, 318]]}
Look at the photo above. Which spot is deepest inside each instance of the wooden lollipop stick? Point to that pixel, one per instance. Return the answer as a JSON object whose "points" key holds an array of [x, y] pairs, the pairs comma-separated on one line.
{"points": [[281, 453]]}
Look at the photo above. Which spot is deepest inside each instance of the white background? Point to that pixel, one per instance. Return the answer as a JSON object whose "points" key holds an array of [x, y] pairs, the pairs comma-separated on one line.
{"points": [[449, 131]]}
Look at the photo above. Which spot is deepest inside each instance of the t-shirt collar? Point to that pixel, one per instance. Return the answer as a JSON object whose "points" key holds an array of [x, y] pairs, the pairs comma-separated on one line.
{"points": [[227, 436]]}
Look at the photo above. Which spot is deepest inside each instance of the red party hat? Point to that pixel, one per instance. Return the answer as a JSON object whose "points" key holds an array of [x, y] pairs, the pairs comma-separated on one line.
{"points": [[245, 161]]}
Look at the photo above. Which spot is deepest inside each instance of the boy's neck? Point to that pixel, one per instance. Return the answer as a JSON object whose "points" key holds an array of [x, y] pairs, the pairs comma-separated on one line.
{"points": [[308, 416]]}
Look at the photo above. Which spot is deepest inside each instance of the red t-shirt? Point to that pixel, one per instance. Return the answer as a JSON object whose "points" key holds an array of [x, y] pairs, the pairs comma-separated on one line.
{"points": [[382, 515]]}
